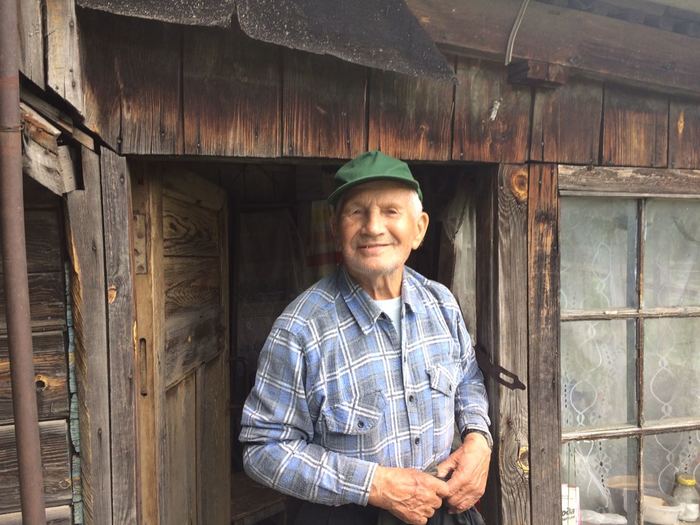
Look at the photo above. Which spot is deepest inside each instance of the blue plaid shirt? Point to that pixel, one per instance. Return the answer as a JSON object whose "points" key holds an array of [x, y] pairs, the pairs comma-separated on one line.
{"points": [[338, 391]]}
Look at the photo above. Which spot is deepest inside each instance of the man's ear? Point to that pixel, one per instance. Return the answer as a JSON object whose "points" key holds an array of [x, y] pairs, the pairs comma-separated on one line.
{"points": [[422, 227]]}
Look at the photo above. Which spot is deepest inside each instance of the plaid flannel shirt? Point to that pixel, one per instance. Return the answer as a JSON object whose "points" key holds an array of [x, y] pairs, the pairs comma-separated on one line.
{"points": [[338, 392]]}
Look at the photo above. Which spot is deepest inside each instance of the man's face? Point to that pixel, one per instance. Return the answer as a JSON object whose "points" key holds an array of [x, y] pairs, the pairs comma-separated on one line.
{"points": [[376, 228]]}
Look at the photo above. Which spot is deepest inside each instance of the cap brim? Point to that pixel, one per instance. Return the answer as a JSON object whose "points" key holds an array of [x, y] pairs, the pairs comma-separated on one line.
{"points": [[335, 196]]}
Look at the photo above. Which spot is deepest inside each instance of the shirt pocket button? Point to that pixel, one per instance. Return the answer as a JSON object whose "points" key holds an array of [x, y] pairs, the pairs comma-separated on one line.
{"points": [[360, 424]]}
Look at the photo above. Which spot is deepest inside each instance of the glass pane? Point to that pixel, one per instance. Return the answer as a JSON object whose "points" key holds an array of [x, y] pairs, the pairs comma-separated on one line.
{"points": [[672, 253], [598, 372], [671, 368], [664, 456], [598, 242], [599, 477]]}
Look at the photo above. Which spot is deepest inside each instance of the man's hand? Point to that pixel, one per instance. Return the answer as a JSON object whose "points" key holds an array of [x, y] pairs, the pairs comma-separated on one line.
{"points": [[410, 495], [469, 468]]}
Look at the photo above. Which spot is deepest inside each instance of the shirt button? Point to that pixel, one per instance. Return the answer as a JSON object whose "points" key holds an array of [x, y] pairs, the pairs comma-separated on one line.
{"points": [[411, 399], [416, 441], [360, 424]]}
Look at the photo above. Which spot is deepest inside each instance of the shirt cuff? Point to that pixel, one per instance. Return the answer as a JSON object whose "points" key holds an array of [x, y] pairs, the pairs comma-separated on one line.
{"points": [[357, 479], [483, 432]]}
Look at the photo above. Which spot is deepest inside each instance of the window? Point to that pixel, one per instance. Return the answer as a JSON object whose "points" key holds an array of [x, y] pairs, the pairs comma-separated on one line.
{"points": [[630, 350]]}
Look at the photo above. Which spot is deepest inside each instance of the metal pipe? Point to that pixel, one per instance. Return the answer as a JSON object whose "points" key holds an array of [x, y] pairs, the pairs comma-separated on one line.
{"points": [[14, 258]]}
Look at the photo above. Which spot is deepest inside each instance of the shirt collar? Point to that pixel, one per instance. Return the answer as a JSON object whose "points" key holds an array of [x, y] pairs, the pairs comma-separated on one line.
{"points": [[365, 310]]}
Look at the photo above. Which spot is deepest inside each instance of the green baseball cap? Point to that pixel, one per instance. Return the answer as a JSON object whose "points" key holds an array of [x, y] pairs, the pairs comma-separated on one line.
{"points": [[368, 167]]}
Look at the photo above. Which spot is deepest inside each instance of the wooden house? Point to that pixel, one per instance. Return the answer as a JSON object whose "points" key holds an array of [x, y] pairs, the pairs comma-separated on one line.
{"points": [[175, 170]]}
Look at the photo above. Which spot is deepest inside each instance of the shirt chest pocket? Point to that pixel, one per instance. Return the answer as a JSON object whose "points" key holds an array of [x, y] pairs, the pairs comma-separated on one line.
{"points": [[354, 427]]}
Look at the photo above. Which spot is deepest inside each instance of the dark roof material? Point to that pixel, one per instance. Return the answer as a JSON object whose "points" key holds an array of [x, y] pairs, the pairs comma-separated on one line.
{"points": [[380, 34]]}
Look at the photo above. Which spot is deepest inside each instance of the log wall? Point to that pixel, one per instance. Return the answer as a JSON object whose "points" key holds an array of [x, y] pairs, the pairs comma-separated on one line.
{"points": [[216, 92], [47, 294]]}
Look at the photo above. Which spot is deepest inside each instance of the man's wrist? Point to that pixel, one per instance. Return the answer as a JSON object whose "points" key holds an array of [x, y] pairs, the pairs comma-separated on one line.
{"points": [[486, 435]]}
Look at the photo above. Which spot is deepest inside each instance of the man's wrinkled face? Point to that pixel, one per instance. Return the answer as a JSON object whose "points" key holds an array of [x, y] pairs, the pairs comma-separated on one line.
{"points": [[377, 227]]}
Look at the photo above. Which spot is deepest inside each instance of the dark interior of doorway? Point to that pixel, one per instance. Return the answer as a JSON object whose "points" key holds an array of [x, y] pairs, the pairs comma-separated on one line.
{"points": [[280, 244]]}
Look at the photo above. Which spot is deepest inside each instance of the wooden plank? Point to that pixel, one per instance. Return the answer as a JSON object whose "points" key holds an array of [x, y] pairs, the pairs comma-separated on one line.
{"points": [[149, 294], [592, 44], [180, 480], [543, 344], [63, 53], [492, 118], [191, 338], [630, 181], [566, 123], [55, 459], [511, 352], [31, 41], [684, 134], [99, 40], [47, 301], [231, 94], [86, 249], [214, 441], [51, 373], [189, 230], [635, 128], [191, 283], [410, 118], [44, 253], [116, 205], [54, 516], [324, 106]]}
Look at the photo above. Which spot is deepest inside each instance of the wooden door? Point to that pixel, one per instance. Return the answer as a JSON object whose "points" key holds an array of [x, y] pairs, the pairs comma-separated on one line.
{"points": [[181, 281]]}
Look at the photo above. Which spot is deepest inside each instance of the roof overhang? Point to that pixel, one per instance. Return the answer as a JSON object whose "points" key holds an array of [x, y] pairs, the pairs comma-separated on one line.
{"points": [[383, 35]]}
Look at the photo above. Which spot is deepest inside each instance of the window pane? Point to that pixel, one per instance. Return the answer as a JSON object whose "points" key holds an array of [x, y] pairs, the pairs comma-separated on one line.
{"points": [[671, 368], [672, 253], [598, 373], [603, 473], [598, 242], [664, 456]]}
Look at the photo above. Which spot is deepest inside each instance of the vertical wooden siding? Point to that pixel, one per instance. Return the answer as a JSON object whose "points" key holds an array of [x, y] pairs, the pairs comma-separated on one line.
{"points": [[154, 88]]}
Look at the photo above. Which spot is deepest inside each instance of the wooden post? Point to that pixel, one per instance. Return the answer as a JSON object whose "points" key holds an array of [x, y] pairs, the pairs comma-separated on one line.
{"points": [[543, 352], [511, 343], [116, 200], [86, 249]]}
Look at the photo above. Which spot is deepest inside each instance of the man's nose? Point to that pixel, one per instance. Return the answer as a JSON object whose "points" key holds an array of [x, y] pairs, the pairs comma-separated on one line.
{"points": [[373, 223]]}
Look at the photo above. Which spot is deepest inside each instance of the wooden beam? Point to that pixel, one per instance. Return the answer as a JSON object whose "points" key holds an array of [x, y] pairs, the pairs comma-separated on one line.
{"points": [[117, 216], [543, 344], [537, 74], [591, 44], [86, 249], [629, 181], [58, 118]]}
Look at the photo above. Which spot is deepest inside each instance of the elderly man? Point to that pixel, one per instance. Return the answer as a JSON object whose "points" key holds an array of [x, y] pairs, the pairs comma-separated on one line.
{"points": [[363, 376]]}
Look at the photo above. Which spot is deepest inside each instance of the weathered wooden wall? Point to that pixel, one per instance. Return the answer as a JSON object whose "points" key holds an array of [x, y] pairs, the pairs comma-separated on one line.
{"points": [[47, 293], [214, 92]]}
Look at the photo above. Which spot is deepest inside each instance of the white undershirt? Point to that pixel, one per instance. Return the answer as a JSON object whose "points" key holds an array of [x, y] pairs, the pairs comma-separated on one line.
{"points": [[392, 308]]}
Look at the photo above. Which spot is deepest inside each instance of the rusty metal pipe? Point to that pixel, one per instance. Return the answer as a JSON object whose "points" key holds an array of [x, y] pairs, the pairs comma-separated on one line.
{"points": [[14, 259]]}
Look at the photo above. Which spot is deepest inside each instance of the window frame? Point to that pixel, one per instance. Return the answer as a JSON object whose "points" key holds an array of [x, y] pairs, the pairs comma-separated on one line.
{"points": [[640, 184]]}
